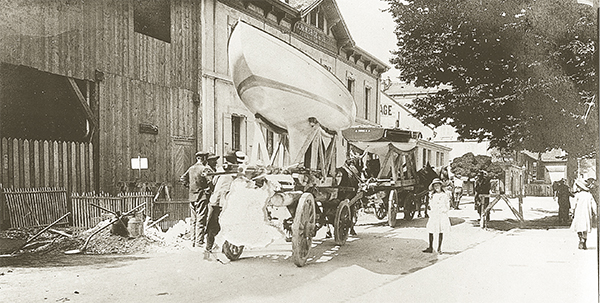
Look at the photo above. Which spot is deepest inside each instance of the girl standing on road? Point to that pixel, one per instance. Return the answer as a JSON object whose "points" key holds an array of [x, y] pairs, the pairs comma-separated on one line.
{"points": [[584, 207], [439, 222]]}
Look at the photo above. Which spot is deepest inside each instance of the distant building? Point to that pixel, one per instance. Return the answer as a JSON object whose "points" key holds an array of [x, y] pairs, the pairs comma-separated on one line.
{"points": [[403, 94], [393, 114]]}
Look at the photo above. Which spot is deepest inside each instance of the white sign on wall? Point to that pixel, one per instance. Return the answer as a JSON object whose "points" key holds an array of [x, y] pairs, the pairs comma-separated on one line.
{"points": [[139, 163]]}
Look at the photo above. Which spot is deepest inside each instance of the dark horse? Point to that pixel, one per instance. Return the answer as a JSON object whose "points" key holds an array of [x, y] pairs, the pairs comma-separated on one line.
{"points": [[424, 177]]}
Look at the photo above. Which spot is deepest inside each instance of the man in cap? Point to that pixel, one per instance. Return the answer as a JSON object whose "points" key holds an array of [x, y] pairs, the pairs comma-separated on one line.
{"points": [[221, 189], [199, 191]]}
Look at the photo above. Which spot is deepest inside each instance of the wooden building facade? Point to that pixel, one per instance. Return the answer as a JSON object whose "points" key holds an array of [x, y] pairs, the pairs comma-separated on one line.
{"points": [[119, 75], [89, 87]]}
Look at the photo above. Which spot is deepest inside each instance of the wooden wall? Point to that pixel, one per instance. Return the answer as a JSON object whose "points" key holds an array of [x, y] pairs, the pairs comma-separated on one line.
{"points": [[140, 79]]}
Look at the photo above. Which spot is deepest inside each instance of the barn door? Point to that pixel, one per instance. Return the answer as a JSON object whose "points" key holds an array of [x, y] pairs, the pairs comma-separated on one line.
{"points": [[182, 157]]}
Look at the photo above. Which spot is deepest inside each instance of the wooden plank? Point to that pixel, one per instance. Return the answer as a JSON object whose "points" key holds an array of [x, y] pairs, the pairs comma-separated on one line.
{"points": [[64, 166], [36, 165], [46, 166], [26, 164], [16, 168], [89, 114], [55, 164]]}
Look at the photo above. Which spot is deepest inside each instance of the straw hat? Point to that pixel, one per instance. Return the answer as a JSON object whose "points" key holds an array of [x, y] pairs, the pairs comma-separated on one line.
{"points": [[581, 184], [435, 181], [235, 157]]}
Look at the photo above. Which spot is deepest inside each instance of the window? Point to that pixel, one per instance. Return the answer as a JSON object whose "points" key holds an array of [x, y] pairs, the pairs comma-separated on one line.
{"points": [[429, 155], [153, 18], [367, 101], [236, 132], [442, 158], [351, 86], [313, 18], [424, 157]]}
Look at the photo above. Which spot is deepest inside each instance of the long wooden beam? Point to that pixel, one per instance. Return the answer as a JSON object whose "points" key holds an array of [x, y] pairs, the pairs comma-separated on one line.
{"points": [[89, 115]]}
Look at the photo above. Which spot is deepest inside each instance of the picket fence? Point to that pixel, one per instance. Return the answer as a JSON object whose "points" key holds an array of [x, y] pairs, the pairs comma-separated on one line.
{"points": [[86, 215], [36, 164]]}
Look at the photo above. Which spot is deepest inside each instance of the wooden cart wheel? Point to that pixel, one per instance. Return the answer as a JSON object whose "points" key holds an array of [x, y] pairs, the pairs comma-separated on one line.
{"points": [[380, 210], [343, 222], [303, 229], [409, 206], [233, 252], [392, 208]]}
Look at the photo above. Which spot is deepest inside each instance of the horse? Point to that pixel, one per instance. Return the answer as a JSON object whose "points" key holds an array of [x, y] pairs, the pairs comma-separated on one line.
{"points": [[424, 177]]}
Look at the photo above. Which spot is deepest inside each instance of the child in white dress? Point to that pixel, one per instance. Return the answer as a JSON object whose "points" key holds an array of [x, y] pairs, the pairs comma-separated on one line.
{"points": [[439, 222]]}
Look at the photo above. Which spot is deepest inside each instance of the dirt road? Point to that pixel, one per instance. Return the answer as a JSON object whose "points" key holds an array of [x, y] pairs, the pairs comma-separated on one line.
{"points": [[378, 255]]}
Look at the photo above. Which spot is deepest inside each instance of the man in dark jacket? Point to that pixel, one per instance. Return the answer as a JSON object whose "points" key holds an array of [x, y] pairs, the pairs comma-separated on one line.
{"points": [[563, 194], [482, 187], [199, 191]]}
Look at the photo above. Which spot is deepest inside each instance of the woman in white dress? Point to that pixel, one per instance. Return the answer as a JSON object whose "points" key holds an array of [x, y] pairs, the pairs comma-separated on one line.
{"points": [[584, 207], [439, 222]]}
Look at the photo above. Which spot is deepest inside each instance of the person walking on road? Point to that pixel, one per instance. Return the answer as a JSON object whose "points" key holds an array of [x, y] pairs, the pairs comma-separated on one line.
{"points": [[221, 189], [584, 208], [439, 222], [482, 187], [563, 193], [199, 186], [458, 190]]}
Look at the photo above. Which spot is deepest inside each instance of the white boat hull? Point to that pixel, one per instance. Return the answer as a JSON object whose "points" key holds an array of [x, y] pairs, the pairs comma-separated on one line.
{"points": [[286, 86]]}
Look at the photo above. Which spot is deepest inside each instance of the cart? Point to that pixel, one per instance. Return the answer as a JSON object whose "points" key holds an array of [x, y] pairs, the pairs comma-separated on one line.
{"points": [[397, 187], [315, 194]]}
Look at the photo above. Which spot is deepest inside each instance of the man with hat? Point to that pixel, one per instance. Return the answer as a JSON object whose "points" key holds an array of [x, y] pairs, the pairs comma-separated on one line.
{"points": [[563, 194], [200, 187], [221, 189], [584, 208]]}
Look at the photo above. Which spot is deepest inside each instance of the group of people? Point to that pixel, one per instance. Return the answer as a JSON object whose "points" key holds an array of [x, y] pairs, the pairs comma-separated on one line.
{"points": [[208, 187], [582, 207]]}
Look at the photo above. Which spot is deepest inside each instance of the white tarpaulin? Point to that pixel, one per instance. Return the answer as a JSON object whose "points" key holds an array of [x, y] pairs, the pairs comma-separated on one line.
{"points": [[244, 218]]}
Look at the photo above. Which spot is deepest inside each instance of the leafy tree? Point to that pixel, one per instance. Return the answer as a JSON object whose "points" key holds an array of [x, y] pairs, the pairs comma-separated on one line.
{"points": [[470, 165], [521, 73]]}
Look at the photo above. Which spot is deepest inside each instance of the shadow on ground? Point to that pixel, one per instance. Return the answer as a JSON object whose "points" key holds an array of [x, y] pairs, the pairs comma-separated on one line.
{"points": [[416, 223], [549, 222], [58, 260]]}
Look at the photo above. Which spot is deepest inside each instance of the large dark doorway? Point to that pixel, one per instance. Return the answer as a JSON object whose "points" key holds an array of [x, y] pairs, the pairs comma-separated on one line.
{"points": [[40, 106]]}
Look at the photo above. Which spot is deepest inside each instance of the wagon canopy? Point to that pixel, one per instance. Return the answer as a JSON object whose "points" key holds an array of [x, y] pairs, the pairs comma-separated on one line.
{"points": [[380, 140]]}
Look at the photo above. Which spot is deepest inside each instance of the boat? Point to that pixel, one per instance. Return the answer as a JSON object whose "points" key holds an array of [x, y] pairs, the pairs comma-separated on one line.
{"points": [[284, 88]]}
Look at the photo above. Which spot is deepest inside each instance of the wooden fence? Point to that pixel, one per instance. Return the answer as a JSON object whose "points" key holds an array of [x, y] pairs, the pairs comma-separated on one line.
{"points": [[538, 190], [85, 215], [29, 207], [36, 164], [32, 207]]}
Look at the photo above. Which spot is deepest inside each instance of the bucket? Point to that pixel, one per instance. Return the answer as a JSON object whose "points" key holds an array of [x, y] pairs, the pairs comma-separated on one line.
{"points": [[135, 226]]}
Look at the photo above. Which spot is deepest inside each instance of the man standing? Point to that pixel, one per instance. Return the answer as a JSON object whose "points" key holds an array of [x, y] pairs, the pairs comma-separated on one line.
{"points": [[563, 194], [221, 189], [482, 187], [199, 190]]}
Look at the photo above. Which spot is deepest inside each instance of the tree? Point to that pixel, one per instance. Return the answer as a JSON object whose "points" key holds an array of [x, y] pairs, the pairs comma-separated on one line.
{"points": [[521, 73], [469, 165]]}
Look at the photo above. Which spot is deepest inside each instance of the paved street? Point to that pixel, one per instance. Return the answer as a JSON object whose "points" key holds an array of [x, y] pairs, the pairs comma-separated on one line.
{"points": [[381, 264]]}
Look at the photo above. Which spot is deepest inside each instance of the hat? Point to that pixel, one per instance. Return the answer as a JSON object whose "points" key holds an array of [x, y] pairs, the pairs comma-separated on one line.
{"points": [[212, 156], [235, 157], [435, 181], [581, 184], [201, 154]]}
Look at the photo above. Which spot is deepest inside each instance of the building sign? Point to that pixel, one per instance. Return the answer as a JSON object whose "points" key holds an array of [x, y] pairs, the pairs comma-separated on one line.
{"points": [[386, 110], [315, 35]]}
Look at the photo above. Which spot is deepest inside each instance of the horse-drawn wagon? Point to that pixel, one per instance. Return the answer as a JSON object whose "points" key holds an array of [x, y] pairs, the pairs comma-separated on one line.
{"points": [[394, 185], [293, 95]]}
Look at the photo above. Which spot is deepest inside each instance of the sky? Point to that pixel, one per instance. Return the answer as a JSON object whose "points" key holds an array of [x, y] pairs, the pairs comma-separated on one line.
{"points": [[371, 29]]}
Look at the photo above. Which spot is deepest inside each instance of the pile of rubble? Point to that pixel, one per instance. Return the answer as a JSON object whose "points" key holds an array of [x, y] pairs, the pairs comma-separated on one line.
{"points": [[105, 241]]}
